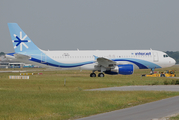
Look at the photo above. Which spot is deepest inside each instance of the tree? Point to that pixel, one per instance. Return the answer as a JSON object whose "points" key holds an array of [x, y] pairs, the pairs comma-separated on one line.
{"points": [[2, 53], [174, 55]]}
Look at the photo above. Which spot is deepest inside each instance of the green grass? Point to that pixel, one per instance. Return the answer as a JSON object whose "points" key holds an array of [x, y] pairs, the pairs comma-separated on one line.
{"points": [[174, 118], [44, 97]]}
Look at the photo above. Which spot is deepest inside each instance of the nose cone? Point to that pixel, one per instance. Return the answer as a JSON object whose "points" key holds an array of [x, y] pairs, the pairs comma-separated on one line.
{"points": [[172, 61]]}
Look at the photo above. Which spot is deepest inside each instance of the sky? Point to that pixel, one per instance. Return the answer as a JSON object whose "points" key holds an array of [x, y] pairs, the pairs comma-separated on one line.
{"points": [[93, 24]]}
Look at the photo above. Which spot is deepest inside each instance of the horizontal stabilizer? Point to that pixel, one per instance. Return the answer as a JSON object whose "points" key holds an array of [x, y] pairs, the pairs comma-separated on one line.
{"points": [[20, 56]]}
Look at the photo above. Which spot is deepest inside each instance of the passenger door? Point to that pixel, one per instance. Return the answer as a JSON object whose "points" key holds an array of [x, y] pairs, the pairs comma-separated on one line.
{"points": [[155, 57]]}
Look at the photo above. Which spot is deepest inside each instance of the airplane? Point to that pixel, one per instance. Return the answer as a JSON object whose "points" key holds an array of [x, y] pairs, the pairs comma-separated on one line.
{"points": [[112, 62]]}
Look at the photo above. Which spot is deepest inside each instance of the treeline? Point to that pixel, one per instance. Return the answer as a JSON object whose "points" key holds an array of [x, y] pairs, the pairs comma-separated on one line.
{"points": [[174, 55], [2, 53]]}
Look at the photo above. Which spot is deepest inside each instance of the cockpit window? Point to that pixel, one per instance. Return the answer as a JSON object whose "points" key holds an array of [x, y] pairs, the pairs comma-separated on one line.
{"points": [[165, 55]]}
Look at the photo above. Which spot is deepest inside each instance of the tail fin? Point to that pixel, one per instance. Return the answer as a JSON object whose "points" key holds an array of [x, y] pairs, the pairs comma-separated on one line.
{"points": [[20, 40]]}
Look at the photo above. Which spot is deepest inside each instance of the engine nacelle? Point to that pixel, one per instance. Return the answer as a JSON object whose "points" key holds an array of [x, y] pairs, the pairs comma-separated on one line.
{"points": [[126, 69]]}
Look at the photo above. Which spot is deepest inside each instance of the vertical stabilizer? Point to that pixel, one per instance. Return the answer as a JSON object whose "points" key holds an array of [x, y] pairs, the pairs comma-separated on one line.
{"points": [[21, 42]]}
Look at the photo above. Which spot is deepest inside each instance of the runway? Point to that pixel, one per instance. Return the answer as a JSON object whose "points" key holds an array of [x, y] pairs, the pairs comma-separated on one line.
{"points": [[11, 71], [148, 111], [143, 88]]}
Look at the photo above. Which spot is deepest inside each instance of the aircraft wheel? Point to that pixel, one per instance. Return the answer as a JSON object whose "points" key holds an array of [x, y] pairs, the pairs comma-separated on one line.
{"points": [[92, 75], [100, 75]]}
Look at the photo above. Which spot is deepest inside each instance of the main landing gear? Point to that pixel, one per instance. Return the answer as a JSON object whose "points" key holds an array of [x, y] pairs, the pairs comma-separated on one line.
{"points": [[94, 75]]}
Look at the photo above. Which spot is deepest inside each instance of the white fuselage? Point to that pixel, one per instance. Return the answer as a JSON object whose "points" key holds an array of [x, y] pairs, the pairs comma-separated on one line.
{"points": [[141, 59], [148, 58]]}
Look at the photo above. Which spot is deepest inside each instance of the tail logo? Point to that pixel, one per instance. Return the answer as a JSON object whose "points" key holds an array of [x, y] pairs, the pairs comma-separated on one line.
{"points": [[20, 41]]}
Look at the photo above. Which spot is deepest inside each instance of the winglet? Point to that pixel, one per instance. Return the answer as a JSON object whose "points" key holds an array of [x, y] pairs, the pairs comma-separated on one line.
{"points": [[95, 57]]}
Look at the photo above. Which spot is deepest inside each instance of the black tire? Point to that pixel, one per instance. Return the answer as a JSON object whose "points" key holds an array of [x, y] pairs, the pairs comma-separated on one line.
{"points": [[100, 75], [143, 75], [92, 75]]}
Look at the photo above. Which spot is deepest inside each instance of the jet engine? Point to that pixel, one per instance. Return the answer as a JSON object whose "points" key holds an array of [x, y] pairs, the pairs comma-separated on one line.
{"points": [[126, 69]]}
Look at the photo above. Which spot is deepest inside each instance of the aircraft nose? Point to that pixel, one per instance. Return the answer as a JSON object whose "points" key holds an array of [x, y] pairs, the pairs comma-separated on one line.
{"points": [[173, 61]]}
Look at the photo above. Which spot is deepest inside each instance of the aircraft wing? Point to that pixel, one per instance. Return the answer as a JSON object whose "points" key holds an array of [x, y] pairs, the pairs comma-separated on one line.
{"points": [[107, 63]]}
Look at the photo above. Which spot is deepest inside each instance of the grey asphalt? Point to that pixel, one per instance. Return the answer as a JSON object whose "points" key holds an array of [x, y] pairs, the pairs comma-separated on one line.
{"points": [[11, 71], [143, 88], [148, 111]]}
